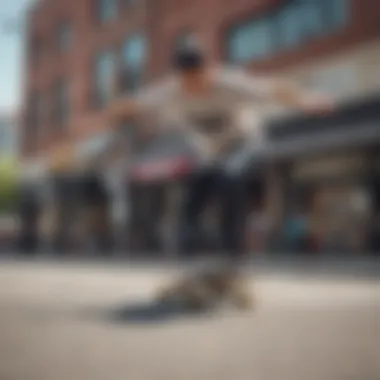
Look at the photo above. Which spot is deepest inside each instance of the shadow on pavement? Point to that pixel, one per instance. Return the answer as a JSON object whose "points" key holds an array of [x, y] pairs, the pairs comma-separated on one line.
{"points": [[144, 313]]}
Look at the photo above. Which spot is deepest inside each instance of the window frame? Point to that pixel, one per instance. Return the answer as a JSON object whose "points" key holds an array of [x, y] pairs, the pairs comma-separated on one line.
{"points": [[272, 13], [98, 98], [98, 8], [128, 68], [61, 44]]}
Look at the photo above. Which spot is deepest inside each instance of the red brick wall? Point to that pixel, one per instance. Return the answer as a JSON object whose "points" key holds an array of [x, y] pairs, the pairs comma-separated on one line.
{"points": [[89, 38], [162, 21]]}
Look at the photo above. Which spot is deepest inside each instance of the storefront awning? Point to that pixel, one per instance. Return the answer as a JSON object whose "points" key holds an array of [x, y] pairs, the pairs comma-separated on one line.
{"points": [[352, 125], [363, 135]]}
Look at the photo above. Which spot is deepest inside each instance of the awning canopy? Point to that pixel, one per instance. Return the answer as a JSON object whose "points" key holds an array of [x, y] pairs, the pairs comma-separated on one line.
{"points": [[353, 125], [363, 134]]}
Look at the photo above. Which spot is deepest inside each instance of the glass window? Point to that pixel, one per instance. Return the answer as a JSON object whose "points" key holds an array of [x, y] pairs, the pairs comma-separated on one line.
{"points": [[103, 78], [251, 41], [305, 19], [311, 19], [339, 13], [134, 51], [106, 9], [260, 44], [64, 36], [134, 57], [237, 50], [288, 27]]}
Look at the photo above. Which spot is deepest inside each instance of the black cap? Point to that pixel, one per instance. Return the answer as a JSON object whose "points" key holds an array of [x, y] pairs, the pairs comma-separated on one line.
{"points": [[189, 55]]}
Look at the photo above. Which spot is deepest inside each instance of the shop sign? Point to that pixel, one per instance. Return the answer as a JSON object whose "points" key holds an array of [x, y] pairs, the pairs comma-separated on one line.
{"points": [[329, 166]]}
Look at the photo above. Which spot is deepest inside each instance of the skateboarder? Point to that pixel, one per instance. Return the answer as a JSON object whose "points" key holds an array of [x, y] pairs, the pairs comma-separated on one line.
{"points": [[205, 101]]}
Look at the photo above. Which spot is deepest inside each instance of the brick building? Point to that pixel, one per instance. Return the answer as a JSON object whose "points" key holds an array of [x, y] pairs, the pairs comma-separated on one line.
{"points": [[86, 58], [74, 48]]}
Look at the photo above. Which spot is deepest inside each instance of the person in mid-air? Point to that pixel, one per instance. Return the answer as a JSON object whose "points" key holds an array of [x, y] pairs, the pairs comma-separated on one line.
{"points": [[205, 101]]}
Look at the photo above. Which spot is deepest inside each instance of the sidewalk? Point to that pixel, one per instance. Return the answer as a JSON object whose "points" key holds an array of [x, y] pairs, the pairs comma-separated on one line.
{"points": [[366, 266]]}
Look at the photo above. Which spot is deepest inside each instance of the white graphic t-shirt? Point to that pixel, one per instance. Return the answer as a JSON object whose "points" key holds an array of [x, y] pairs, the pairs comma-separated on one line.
{"points": [[211, 120]]}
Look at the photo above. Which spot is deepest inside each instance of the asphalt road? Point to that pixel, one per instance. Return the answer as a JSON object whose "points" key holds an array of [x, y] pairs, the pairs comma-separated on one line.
{"points": [[80, 321]]}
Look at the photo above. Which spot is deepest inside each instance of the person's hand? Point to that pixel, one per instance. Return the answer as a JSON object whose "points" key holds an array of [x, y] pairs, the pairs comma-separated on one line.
{"points": [[318, 105]]}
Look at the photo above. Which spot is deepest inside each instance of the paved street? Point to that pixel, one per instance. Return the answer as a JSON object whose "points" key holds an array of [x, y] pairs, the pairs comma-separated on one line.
{"points": [[90, 321]]}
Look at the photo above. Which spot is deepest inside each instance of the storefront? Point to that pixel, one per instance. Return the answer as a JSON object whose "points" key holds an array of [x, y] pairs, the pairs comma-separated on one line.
{"points": [[332, 194], [328, 194]]}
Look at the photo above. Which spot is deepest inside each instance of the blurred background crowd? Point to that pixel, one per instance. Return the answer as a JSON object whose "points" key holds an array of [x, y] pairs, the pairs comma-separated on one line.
{"points": [[82, 173]]}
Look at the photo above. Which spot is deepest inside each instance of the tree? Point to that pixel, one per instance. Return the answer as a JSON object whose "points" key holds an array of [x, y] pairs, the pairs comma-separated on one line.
{"points": [[8, 184]]}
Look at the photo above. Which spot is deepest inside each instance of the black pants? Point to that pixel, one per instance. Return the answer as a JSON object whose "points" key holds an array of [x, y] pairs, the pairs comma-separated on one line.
{"points": [[215, 184]]}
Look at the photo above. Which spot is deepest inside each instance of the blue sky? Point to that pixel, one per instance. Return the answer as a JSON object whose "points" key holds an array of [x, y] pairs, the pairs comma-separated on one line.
{"points": [[11, 51]]}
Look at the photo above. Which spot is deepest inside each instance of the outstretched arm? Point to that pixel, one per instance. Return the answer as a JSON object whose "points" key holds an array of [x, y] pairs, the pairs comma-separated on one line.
{"points": [[274, 90]]}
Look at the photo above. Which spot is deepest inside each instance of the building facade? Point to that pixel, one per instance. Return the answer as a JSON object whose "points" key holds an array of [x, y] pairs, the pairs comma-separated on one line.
{"points": [[86, 59], [83, 55]]}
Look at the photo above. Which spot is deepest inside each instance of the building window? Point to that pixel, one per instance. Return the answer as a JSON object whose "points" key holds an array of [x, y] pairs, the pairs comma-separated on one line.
{"points": [[104, 70], [289, 27], [64, 36], [133, 62], [252, 41], [338, 13], [106, 10], [285, 28], [61, 107]]}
